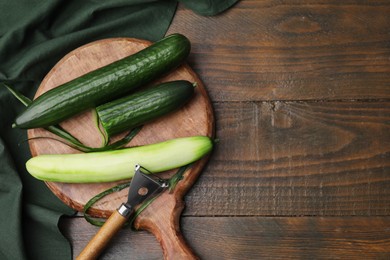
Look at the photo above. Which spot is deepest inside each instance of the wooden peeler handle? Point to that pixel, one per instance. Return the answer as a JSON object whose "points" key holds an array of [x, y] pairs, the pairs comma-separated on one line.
{"points": [[95, 247]]}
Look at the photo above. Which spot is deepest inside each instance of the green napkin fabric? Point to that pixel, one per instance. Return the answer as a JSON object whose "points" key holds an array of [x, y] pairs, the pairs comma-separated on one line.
{"points": [[34, 35], [208, 7]]}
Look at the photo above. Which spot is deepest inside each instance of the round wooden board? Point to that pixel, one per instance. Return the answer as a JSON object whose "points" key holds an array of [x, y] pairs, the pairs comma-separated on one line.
{"points": [[196, 118]]}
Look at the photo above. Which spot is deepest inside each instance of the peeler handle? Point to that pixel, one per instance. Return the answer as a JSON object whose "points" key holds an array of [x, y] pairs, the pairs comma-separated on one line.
{"points": [[94, 248]]}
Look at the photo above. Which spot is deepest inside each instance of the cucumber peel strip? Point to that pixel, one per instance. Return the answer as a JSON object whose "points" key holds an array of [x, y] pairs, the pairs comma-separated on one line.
{"points": [[102, 132], [86, 149], [97, 222], [72, 141], [22, 98]]}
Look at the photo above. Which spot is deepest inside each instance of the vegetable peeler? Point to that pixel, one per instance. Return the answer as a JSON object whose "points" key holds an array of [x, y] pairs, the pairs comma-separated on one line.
{"points": [[142, 186]]}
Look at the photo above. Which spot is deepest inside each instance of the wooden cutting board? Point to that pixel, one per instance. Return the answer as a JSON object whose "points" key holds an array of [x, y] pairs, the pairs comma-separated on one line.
{"points": [[195, 118]]}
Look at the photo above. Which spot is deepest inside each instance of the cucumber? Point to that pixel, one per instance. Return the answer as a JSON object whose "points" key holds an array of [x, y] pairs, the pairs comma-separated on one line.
{"points": [[118, 164], [144, 106], [105, 84]]}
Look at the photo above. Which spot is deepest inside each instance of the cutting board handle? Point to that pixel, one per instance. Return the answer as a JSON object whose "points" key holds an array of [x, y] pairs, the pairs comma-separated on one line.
{"points": [[166, 229], [171, 239], [163, 219]]}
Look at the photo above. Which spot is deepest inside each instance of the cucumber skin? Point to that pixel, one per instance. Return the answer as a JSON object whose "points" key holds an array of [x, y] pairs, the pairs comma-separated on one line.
{"points": [[118, 164], [142, 107], [106, 83]]}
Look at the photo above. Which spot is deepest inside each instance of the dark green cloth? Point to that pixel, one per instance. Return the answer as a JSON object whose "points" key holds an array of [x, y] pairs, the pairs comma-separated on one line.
{"points": [[34, 35], [208, 7]]}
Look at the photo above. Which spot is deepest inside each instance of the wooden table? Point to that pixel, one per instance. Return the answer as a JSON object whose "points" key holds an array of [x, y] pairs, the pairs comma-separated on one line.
{"points": [[301, 93]]}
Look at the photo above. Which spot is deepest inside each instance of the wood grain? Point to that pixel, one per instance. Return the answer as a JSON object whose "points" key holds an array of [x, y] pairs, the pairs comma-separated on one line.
{"points": [[255, 238], [301, 96], [289, 158], [292, 50]]}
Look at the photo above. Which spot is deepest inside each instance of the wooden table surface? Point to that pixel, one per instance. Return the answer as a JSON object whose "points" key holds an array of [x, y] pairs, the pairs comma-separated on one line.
{"points": [[301, 93]]}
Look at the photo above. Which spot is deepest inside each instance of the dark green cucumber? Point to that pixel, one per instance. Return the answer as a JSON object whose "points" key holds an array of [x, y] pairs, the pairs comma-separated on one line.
{"points": [[144, 106], [105, 84]]}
